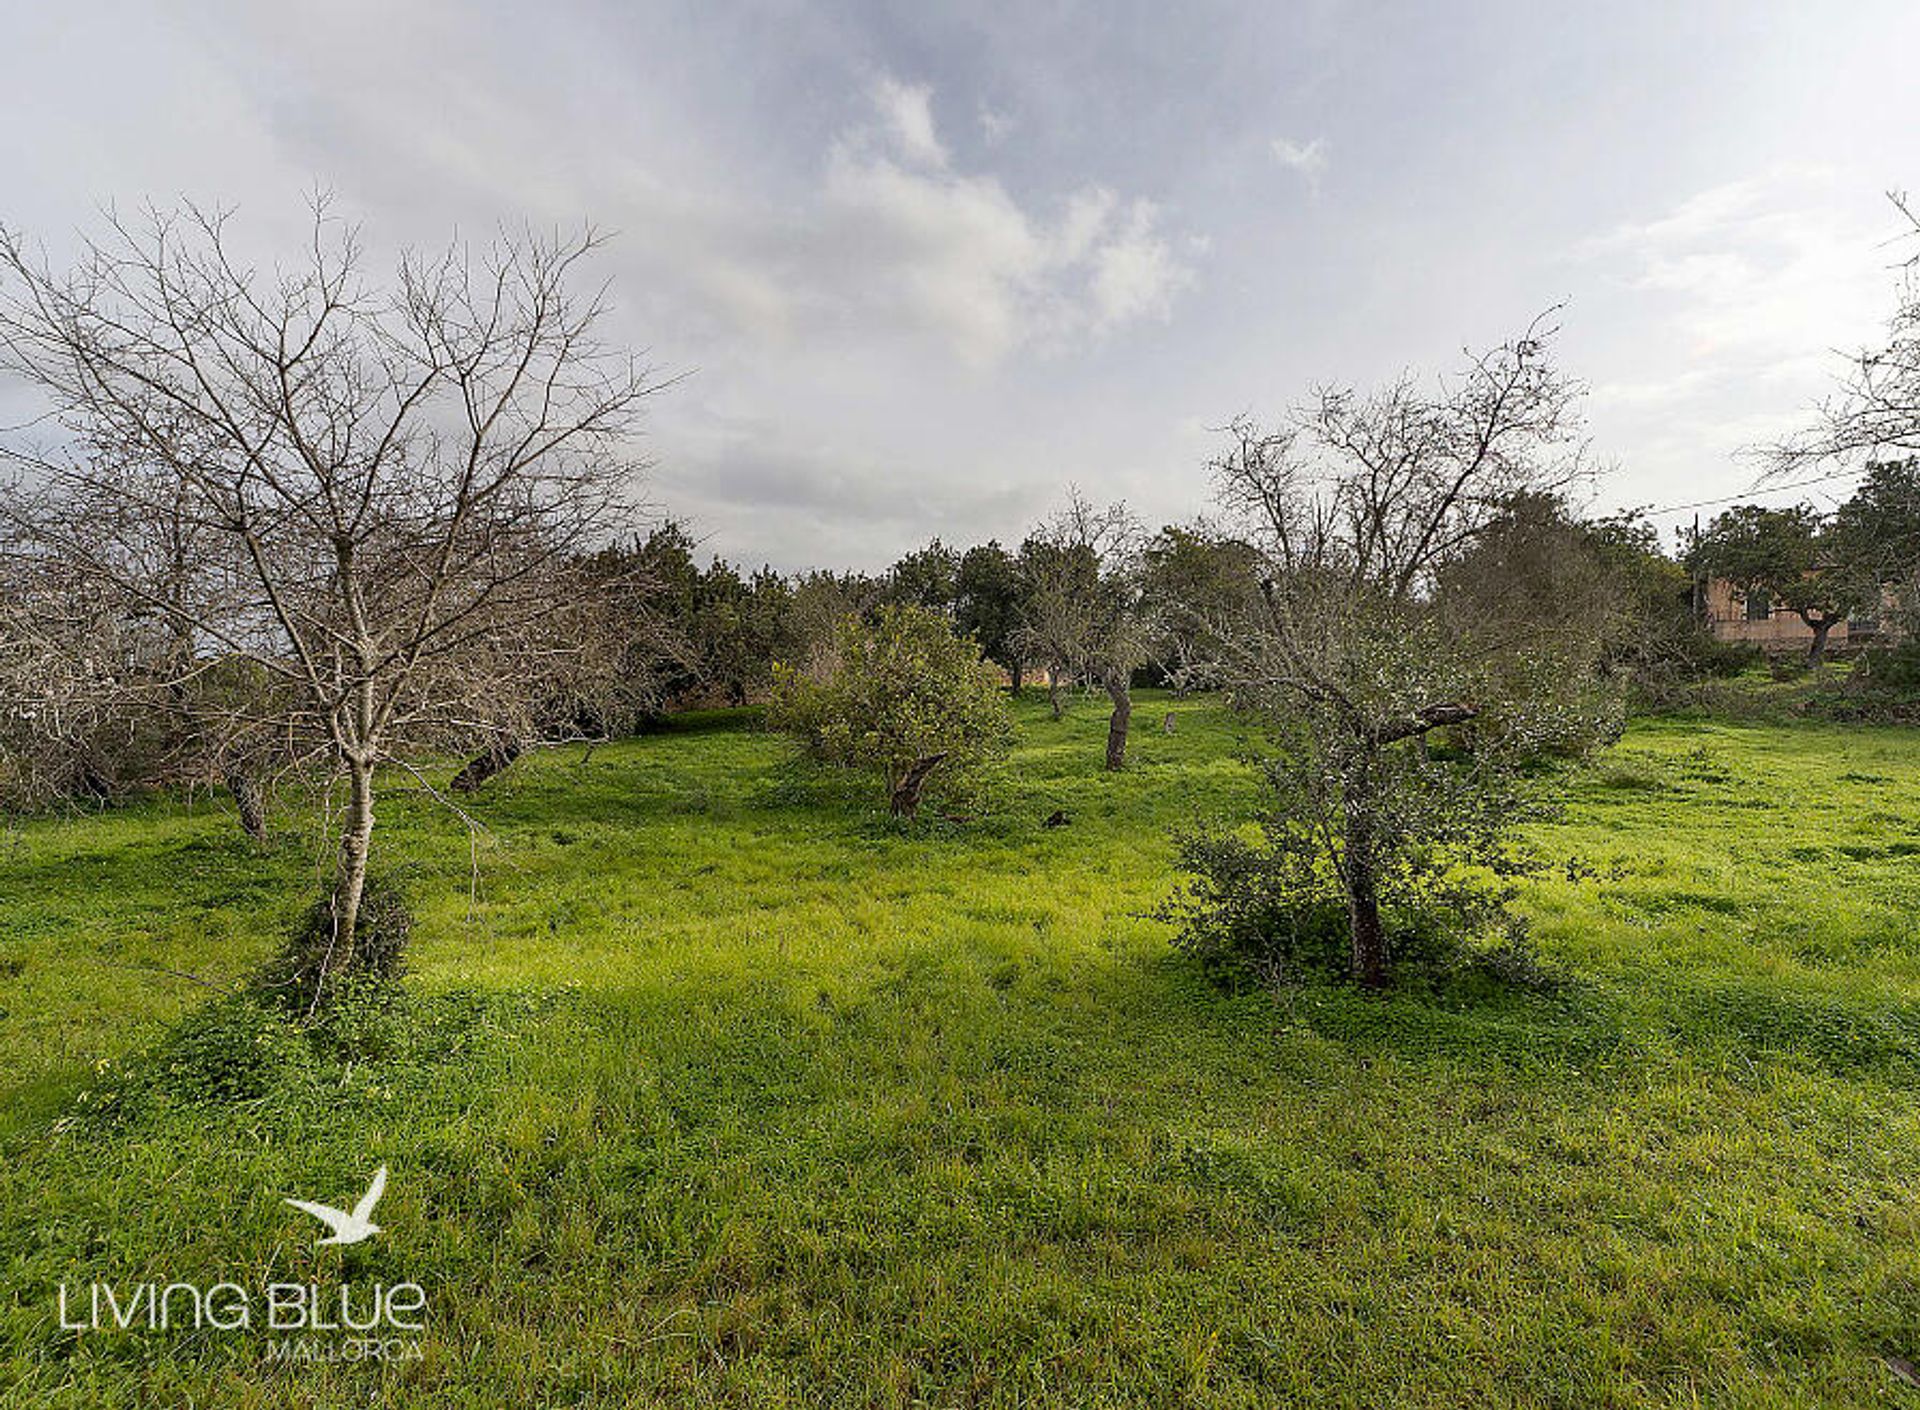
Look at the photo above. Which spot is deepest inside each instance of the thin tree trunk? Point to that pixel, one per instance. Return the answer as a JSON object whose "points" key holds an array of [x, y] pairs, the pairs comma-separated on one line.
{"points": [[1118, 691], [249, 800], [1018, 671], [1053, 690], [350, 880]]}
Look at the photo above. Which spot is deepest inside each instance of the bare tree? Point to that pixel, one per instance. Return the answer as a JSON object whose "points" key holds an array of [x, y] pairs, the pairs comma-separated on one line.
{"points": [[1876, 413], [1082, 605], [381, 483], [1358, 505], [1056, 594], [65, 651]]}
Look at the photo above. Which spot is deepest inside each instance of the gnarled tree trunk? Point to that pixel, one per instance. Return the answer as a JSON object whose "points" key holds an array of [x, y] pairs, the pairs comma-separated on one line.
{"points": [[1371, 964], [482, 767], [249, 800], [1817, 649], [1119, 691], [905, 799], [1369, 935]]}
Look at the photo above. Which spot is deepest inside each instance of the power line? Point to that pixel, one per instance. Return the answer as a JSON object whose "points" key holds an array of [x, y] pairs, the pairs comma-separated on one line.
{"points": [[1768, 489]]}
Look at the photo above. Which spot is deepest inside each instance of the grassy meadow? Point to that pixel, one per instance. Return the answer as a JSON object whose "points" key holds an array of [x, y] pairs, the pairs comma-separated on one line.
{"points": [[716, 1087]]}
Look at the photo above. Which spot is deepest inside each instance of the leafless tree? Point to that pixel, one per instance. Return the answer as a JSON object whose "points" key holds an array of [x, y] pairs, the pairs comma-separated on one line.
{"points": [[1358, 504], [65, 651], [380, 483], [1876, 413], [1082, 605]]}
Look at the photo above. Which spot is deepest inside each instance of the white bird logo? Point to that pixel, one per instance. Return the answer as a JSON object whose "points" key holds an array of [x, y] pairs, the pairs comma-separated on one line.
{"points": [[348, 1228]]}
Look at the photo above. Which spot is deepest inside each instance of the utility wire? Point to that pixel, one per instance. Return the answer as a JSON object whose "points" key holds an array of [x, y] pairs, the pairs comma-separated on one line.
{"points": [[1764, 489]]}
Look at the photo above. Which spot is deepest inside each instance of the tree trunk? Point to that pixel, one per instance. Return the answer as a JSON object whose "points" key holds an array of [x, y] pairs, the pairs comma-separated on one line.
{"points": [[1053, 690], [482, 767], [350, 878], [1018, 671], [905, 799], [1122, 697], [1817, 652], [93, 783], [1367, 932], [249, 800]]}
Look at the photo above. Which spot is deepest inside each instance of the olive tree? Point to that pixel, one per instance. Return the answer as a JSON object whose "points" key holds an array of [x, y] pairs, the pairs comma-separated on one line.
{"points": [[1788, 557], [1359, 652], [987, 605], [1194, 579], [383, 479]]}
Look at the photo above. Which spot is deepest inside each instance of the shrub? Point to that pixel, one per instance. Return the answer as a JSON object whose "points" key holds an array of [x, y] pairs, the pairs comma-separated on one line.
{"points": [[292, 979], [904, 695], [234, 1050], [1269, 909]]}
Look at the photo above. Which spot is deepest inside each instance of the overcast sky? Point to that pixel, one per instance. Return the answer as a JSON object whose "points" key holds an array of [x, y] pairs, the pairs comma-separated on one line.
{"points": [[927, 264]]}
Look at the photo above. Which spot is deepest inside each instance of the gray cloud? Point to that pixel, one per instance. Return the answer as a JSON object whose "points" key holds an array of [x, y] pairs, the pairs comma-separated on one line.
{"points": [[928, 266]]}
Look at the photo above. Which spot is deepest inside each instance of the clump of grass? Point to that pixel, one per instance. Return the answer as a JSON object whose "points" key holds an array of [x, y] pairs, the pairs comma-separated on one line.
{"points": [[303, 979], [244, 1050]]}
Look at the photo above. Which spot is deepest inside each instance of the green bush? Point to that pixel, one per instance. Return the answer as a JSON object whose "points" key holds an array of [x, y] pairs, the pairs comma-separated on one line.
{"points": [[1271, 910], [1894, 668], [231, 1051], [896, 693]]}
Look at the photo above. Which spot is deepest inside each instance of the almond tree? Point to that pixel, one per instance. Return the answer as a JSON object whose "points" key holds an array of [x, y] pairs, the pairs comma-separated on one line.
{"points": [[1082, 603], [383, 481]]}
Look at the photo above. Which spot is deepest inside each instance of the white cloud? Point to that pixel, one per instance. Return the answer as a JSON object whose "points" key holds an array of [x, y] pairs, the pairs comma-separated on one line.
{"points": [[1756, 273], [1307, 158], [1732, 305], [956, 255], [907, 110], [1135, 274]]}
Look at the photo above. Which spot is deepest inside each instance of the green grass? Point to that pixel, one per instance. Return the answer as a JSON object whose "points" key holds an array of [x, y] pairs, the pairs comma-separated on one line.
{"points": [[729, 1092]]}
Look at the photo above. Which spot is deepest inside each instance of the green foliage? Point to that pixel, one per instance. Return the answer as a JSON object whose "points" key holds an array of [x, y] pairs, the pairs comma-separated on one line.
{"points": [[293, 979], [927, 577], [1274, 909], [1196, 583], [723, 630], [244, 1050], [1878, 527], [231, 1051], [1791, 555], [897, 691], [1895, 668], [987, 603]]}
